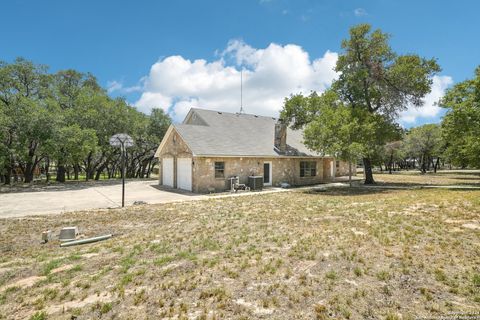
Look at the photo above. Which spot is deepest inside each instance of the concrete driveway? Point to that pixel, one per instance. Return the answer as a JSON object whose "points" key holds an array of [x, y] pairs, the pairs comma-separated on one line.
{"points": [[18, 204]]}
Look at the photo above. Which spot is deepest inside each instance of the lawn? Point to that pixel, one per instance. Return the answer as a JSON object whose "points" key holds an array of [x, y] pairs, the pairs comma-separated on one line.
{"points": [[339, 254], [443, 177]]}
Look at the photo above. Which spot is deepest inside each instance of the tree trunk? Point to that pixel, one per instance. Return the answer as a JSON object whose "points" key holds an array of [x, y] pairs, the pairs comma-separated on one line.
{"points": [[350, 173], [60, 173], [435, 166], [47, 170], [8, 173], [367, 167], [390, 164], [28, 173], [423, 168], [7, 179], [99, 172], [76, 169]]}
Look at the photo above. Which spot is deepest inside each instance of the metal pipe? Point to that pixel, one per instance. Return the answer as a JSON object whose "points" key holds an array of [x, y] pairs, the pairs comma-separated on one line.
{"points": [[123, 174], [88, 240]]}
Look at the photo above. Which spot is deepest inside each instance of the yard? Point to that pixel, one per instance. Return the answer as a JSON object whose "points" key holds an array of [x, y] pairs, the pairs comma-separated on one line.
{"points": [[339, 254]]}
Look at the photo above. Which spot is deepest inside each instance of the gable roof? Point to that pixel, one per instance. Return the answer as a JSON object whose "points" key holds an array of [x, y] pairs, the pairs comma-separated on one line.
{"points": [[212, 133]]}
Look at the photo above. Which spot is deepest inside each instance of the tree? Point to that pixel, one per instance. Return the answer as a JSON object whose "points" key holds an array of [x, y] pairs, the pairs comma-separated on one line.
{"points": [[330, 127], [24, 96], [3, 147], [374, 78], [376, 84], [425, 143], [69, 146], [461, 124], [66, 119], [393, 153]]}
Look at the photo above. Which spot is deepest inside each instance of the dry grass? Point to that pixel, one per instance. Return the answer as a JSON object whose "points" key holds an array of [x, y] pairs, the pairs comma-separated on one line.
{"points": [[362, 254], [443, 177]]}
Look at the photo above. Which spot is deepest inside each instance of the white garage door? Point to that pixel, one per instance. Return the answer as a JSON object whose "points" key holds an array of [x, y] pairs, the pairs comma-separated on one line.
{"points": [[167, 172], [184, 173]]}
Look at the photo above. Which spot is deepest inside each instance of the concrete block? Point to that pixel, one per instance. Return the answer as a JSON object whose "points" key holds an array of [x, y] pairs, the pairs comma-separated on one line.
{"points": [[47, 236], [68, 233]]}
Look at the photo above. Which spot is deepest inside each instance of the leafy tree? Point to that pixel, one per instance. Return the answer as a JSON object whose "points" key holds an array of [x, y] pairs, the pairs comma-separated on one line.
{"points": [[147, 136], [330, 127], [425, 143], [70, 145], [376, 79], [394, 152], [461, 124], [24, 89], [376, 84], [66, 120]]}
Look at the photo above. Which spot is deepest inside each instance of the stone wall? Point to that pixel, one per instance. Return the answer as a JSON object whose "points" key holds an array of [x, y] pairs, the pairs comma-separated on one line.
{"points": [[284, 169]]}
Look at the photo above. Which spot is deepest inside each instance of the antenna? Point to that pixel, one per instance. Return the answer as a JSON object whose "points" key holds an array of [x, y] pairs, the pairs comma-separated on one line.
{"points": [[241, 91]]}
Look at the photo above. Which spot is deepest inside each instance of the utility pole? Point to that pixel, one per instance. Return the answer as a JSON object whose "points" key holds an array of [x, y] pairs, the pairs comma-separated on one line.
{"points": [[122, 148]]}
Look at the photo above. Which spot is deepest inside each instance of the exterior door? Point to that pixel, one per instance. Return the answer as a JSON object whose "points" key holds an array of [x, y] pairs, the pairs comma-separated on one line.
{"points": [[267, 173], [184, 173], [167, 172]]}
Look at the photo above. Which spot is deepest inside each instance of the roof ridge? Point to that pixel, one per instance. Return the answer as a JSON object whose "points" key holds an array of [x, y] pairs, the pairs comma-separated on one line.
{"points": [[232, 113]]}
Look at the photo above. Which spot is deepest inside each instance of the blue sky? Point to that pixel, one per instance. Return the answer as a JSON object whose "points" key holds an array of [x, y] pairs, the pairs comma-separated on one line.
{"points": [[181, 53]]}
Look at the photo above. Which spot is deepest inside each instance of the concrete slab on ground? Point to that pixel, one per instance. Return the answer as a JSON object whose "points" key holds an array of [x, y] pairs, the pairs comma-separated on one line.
{"points": [[92, 197]]}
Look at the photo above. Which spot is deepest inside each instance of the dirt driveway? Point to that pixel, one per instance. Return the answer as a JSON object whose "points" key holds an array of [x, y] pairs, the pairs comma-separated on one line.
{"points": [[19, 204]]}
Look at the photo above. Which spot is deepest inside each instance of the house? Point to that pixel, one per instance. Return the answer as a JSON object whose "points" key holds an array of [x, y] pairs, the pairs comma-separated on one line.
{"points": [[209, 147]]}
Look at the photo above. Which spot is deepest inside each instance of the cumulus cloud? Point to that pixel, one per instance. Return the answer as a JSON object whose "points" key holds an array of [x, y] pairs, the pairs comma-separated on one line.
{"points": [[116, 86], [430, 110], [360, 12], [113, 86], [269, 75]]}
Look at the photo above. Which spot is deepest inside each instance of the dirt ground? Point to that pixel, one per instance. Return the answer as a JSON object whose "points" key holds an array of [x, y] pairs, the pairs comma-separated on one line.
{"points": [[337, 254]]}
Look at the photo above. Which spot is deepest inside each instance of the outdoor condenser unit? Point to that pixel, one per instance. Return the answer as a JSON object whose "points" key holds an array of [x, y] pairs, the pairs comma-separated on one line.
{"points": [[255, 182]]}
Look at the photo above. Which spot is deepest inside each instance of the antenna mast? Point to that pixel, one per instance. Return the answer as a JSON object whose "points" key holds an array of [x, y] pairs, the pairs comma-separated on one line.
{"points": [[241, 90]]}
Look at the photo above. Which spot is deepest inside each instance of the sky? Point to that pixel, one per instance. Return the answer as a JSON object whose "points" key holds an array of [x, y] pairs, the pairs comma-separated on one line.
{"points": [[180, 54]]}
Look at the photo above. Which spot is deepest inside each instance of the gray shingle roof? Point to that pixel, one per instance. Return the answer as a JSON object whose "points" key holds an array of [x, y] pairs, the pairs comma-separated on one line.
{"points": [[231, 134]]}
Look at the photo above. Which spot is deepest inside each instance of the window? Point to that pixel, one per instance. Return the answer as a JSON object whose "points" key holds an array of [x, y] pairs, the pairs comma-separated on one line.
{"points": [[219, 169], [308, 168], [337, 164]]}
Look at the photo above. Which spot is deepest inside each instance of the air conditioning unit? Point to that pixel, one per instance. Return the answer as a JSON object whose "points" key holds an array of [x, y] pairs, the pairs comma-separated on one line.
{"points": [[255, 182]]}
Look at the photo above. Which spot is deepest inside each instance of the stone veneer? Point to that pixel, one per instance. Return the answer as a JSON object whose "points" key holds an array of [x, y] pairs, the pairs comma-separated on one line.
{"points": [[284, 169]]}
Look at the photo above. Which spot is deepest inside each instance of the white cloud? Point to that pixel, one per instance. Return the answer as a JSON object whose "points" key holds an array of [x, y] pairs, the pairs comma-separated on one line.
{"points": [[113, 86], [176, 84], [430, 109], [360, 12], [269, 75], [117, 86]]}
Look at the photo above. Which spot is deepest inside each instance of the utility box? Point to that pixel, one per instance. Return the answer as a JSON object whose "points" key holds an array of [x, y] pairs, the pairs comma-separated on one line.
{"points": [[255, 182], [68, 233]]}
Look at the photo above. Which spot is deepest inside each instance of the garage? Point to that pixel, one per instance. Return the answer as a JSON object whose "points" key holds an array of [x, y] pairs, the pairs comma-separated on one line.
{"points": [[167, 172], [184, 173]]}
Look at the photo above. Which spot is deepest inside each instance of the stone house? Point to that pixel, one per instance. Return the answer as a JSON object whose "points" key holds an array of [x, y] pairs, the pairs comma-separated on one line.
{"points": [[203, 152]]}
